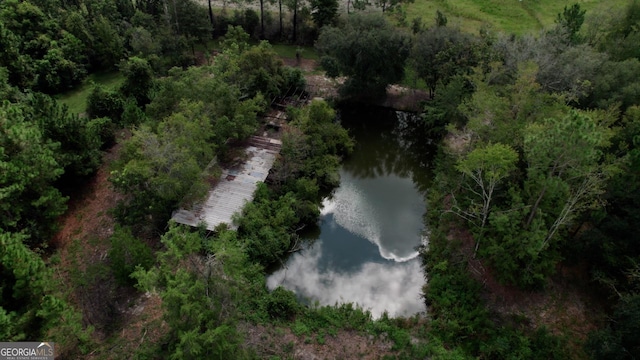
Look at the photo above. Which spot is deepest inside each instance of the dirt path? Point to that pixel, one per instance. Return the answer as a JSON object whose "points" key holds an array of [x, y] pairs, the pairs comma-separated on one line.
{"points": [[83, 243], [87, 215], [306, 65]]}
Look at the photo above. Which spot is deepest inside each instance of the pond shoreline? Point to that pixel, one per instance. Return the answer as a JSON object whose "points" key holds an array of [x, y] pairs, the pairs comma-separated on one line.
{"points": [[398, 97], [364, 249]]}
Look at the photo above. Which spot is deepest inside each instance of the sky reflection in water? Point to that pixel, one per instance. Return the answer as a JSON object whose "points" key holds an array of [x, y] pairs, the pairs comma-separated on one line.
{"points": [[394, 287], [366, 252], [370, 228], [385, 210]]}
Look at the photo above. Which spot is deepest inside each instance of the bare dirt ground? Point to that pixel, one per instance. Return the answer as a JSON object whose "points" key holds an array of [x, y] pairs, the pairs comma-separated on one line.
{"points": [[82, 242], [344, 345], [318, 84], [143, 326], [87, 215], [405, 99], [306, 65]]}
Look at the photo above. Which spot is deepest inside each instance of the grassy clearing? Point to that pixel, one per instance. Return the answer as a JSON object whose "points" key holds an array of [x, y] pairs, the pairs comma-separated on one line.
{"points": [[289, 51], [510, 16], [76, 99]]}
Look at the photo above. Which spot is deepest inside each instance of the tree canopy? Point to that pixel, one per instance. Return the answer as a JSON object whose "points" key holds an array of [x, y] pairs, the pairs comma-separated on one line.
{"points": [[539, 166], [368, 50], [440, 53]]}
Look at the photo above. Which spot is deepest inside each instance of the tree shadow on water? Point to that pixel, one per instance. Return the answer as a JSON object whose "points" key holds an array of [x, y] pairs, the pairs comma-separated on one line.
{"points": [[388, 142]]}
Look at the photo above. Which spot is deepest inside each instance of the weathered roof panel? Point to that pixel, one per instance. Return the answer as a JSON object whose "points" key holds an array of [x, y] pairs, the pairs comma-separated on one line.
{"points": [[235, 188]]}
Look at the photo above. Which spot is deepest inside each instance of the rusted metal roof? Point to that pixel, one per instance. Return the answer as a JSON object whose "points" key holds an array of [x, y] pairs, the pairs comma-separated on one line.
{"points": [[235, 188]]}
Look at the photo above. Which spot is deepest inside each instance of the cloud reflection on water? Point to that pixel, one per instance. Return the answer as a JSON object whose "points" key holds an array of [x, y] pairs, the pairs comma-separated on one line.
{"points": [[390, 286], [387, 211], [379, 273]]}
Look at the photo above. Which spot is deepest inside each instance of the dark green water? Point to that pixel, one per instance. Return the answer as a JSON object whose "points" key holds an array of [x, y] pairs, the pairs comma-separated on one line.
{"points": [[364, 250]]}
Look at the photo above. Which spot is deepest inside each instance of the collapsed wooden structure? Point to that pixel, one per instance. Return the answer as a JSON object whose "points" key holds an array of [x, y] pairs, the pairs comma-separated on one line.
{"points": [[235, 188], [238, 183]]}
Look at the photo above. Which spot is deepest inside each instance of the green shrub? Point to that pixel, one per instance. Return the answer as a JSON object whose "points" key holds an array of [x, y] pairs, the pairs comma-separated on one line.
{"points": [[126, 253], [545, 345], [138, 80], [293, 80], [620, 339], [266, 225], [282, 304], [105, 103], [132, 114], [105, 129], [300, 328]]}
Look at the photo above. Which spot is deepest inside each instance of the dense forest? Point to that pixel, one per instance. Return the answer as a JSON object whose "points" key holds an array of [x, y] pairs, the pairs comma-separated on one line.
{"points": [[537, 174]]}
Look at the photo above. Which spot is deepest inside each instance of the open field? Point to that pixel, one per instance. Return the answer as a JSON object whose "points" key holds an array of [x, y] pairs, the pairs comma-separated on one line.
{"points": [[510, 16]]}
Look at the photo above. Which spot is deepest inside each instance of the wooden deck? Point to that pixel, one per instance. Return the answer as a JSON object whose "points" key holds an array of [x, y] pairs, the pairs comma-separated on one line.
{"points": [[235, 188]]}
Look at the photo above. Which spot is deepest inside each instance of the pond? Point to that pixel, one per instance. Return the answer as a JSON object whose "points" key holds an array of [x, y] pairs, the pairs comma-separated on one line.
{"points": [[364, 249]]}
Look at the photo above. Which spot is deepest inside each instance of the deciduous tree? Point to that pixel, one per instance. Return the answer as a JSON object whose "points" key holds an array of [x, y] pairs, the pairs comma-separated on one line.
{"points": [[159, 168], [565, 176], [368, 50], [138, 80], [440, 53], [487, 167]]}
